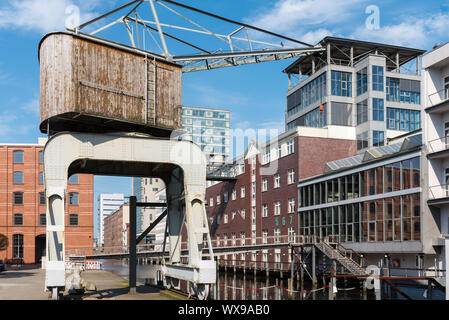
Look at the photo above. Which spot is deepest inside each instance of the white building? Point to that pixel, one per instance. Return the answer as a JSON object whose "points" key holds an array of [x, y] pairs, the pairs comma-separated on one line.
{"points": [[436, 134], [107, 204]]}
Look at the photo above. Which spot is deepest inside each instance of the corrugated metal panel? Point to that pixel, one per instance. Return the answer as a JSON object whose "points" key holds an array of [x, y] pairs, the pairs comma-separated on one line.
{"points": [[341, 114]]}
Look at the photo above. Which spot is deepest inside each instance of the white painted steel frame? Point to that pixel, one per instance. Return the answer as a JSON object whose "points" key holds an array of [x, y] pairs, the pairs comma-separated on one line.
{"points": [[189, 163]]}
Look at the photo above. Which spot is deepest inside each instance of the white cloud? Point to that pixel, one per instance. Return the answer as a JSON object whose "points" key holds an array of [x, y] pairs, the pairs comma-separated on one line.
{"points": [[421, 32], [294, 18], [42, 15]]}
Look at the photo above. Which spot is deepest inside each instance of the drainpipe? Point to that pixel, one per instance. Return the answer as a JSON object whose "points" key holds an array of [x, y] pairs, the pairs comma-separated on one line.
{"points": [[446, 258]]}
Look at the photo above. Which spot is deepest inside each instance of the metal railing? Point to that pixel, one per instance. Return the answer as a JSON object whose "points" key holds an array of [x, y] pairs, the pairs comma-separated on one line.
{"points": [[256, 264], [438, 191], [350, 253], [439, 144], [438, 97]]}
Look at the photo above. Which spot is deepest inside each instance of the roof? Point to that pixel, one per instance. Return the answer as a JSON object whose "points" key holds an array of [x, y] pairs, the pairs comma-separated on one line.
{"points": [[361, 50]]}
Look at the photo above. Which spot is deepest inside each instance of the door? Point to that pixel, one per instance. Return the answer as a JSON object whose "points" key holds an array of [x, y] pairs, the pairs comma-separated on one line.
{"points": [[40, 248]]}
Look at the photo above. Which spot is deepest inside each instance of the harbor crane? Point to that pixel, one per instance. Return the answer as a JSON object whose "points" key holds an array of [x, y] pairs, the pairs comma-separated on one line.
{"points": [[110, 108]]}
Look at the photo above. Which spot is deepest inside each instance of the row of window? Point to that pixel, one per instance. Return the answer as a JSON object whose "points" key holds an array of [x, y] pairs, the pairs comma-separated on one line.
{"points": [[267, 157], [396, 176], [276, 184], [18, 219], [317, 118], [403, 119], [312, 92], [18, 178], [403, 90], [277, 207], [206, 113], [204, 122], [389, 219], [18, 198], [223, 241], [207, 131], [18, 156]]}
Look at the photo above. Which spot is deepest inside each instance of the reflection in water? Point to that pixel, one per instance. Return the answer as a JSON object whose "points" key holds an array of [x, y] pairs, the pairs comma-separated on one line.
{"points": [[232, 286]]}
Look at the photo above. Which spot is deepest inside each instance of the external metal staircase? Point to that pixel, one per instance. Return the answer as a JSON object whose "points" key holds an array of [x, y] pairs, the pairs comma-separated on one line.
{"points": [[335, 251]]}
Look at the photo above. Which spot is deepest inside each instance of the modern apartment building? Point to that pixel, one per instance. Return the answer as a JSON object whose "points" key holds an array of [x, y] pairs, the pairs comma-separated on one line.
{"points": [[151, 190], [107, 204], [262, 201], [359, 84], [209, 128], [23, 216], [436, 136]]}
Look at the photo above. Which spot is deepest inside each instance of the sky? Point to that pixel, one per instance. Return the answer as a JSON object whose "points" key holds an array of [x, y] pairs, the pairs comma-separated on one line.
{"points": [[254, 94]]}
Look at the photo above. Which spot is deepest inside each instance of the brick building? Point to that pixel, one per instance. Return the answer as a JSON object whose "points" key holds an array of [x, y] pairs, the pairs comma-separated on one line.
{"points": [[116, 229], [262, 202], [22, 204]]}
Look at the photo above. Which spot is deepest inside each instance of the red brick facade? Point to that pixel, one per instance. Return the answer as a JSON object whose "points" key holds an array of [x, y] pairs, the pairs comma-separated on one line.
{"points": [[308, 159], [114, 226], [33, 229]]}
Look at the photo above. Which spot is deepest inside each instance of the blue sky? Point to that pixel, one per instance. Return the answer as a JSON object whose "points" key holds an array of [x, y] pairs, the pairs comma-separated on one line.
{"points": [[255, 94]]}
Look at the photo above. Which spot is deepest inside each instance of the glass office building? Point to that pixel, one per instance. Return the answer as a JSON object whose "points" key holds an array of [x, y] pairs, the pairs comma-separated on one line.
{"points": [[356, 84]]}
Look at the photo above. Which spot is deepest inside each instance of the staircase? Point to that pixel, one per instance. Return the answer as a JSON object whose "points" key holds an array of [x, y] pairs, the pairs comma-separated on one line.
{"points": [[339, 253]]}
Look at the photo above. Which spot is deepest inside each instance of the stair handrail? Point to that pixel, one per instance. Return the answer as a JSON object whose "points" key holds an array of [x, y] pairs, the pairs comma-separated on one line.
{"points": [[349, 249]]}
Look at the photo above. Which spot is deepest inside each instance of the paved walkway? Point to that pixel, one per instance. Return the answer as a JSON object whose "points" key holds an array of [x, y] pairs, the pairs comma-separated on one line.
{"points": [[27, 283], [23, 283]]}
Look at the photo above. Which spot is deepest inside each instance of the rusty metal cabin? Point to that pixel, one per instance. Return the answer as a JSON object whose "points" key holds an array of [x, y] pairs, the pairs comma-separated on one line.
{"points": [[88, 84]]}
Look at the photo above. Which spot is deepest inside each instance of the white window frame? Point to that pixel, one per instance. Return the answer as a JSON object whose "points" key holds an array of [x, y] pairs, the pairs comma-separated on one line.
{"points": [[277, 208], [291, 176], [277, 181], [265, 210], [291, 205], [264, 184], [242, 191]]}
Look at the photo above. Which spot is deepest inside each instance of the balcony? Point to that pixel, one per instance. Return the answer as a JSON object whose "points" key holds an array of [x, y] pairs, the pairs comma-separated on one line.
{"points": [[438, 102], [438, 195], [438, 148]]}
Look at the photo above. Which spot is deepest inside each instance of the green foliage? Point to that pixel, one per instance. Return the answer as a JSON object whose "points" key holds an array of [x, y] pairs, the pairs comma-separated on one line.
{"points": [[4, 242]]}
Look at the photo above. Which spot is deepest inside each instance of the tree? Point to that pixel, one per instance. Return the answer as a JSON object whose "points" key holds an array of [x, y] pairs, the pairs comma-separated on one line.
{"points": [[4, 242]]}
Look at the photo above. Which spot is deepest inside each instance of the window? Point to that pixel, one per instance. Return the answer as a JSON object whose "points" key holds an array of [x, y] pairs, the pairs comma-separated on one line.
{"points": [[378, 109], [234, 194], [378, 138], [378, 78], [264, 210], [211, 201], [362, 112], [279, 151], [266, 157], [233, 213], [218, 199], [18, 219], [41, 177], [42, 219], [264, 185], [305, 96], [225, 197], [242, 192], [18, 156], [243, 213], [73, 219], [291, 176], [277, 235], [277, 208], [362, 140], [42, 198], [73, 198], [17, 246], [392, 89], [265, 236], [18, 197], [291, 205], [74, 179], [18, 177], [290, 146], [277, 180], [225, 218], [341, 83], [41, 156], [362, 81], [291, 234], [403, 119]]}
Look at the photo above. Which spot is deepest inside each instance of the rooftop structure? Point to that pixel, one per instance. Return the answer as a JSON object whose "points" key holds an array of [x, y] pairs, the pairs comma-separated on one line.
{"points": [[358, 84]]}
